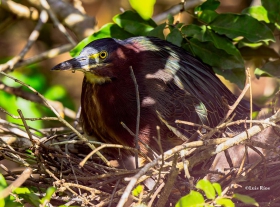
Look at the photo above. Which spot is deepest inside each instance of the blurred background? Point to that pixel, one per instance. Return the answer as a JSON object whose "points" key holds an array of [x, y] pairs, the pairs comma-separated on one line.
{"points": [[66, 86]]}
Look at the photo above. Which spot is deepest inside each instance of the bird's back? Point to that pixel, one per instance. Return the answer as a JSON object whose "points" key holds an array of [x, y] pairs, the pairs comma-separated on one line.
{"points": [[186, 89]]}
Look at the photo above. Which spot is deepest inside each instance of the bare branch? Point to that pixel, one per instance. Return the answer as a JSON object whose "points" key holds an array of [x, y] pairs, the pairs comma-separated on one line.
{"points": [[177, 9], [20, 10]]}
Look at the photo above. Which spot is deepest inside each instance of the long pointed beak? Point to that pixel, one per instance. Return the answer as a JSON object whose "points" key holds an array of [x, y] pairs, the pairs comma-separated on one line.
{"points": [[79, 63]]}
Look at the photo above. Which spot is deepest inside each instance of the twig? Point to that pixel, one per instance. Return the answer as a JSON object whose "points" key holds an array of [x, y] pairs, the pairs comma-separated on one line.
{"points": [[15, 128], [82, 163], [177, 9], [17, 183], [114, 192], [61, 28], [242, 162], [20, 10], [133, 181], [138, 115], [193, 124], [66, 186], [45, 55], [237, 122], [26, 127], [82, 25], [251, 94], [29, 119], [169, 184], [232, 108], [154, 195]]}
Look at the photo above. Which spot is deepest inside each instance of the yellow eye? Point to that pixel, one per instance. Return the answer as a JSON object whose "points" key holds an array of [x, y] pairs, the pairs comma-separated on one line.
{"points": [[103, 54]]}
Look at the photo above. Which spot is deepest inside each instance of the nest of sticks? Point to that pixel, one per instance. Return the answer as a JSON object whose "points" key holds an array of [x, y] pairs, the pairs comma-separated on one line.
{"points": [[84, 175], [87, 181]]}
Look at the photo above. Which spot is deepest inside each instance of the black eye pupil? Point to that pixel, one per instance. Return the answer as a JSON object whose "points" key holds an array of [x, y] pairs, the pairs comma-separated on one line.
{"points": [[103, 54]]}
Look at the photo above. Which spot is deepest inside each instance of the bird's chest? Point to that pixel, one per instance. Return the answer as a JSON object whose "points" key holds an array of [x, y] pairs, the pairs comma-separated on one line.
{"points": [[114, 105], [108, 108]]}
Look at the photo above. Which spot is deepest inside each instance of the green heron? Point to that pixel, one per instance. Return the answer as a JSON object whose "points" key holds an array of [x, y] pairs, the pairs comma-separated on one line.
{"points": [[173, 85]]}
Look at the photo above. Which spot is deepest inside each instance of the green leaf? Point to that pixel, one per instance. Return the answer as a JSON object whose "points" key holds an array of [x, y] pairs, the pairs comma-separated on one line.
{"points": [[179, 25], [192, 199], [49, 193], [144, 8], [221, 43], [207, 16], [158, 31], [225, 202], [192, 30], [208, 5], [134, 23], [175, 37], [245, 199], [234, 25], [207, 188], [23, 190], [218, 188], [236, 76], [213, 56], [28, 196], [170, 22], [273, 9], [258, 12], [136, 192], [3, 183], [270, 69], [108, 30], [170, 19]]}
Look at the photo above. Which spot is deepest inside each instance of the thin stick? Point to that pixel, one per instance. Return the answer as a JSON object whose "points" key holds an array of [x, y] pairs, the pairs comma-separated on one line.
{"points": [[61, 28], [251, 96], [169, 184], [26, 127], [153, 197], [66, 185], [138, 115], [232, 108], [82, 163], [45, 55], [114, 192]]}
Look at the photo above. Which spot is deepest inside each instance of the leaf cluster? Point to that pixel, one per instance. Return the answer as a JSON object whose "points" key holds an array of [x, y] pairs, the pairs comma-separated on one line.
{"points": [[220, 40], [22, 195], [213, 195]]}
